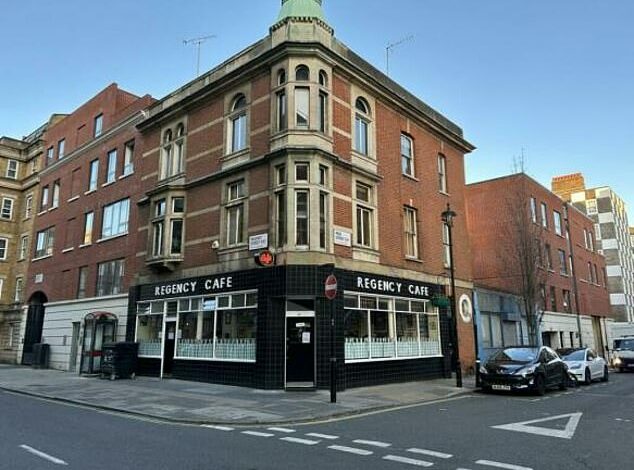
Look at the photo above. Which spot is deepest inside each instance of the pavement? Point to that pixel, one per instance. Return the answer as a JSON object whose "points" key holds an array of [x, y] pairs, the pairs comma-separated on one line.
{"points": [[200, 403]]}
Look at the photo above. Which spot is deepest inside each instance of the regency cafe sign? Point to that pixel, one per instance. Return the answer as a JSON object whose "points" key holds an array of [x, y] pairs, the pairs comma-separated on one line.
{"points": [[188, 287], [392, 286]]}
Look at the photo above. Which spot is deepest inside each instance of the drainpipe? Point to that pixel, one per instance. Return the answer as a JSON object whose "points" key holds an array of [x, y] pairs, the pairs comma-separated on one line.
{"points": [[573, 273]]}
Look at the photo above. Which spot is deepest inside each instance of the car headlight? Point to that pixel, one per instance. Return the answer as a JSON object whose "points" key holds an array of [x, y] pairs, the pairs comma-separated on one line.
{"points": [[575, 365], [617, 360], [483, 370], [527, 370]]}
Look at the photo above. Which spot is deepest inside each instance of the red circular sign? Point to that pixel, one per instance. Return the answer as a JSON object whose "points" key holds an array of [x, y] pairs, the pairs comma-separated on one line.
{"points": [[265, 258], [330, 287]]}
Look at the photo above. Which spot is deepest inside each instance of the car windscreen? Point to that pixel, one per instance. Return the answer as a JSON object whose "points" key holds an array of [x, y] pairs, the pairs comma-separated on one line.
{"points": [[624, 344], [520, 355], [576, 355]]}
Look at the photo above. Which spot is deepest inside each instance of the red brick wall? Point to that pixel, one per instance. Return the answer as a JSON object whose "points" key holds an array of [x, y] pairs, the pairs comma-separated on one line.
{"points": [[489, 212], [61, 270]]}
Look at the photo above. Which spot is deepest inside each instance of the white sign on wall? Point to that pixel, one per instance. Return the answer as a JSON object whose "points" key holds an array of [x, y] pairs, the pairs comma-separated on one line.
{"points": [[258, 242], [343, 238]]}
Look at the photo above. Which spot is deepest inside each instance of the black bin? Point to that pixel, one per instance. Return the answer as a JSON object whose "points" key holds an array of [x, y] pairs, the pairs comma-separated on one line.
{"points": [[41, 355], [118, 360]]}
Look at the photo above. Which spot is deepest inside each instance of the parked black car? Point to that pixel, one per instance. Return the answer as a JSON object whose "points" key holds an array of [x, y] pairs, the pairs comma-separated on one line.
{"points": [[529, 368]]}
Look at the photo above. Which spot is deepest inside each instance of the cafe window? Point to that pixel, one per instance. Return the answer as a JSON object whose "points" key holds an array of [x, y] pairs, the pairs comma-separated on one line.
{"points": [[379, 328], [222, 327]]}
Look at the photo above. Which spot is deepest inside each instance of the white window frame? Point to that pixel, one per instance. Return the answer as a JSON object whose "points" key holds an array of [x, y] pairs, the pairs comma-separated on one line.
{"points": [[89, 223], [128, 158], [410, 228], [442, 173], [98, 125], [111, 167], [9, 210], [238, 125], [4, 248], [28, 206], [544, 213], [557, 222], [19, 289], [61, 148], [93, 175], [407, 155], [236, 204], [533, 206], [364, 213], [115, 219], [55, 194], [23, 249], [12, 173], [362, 121]]}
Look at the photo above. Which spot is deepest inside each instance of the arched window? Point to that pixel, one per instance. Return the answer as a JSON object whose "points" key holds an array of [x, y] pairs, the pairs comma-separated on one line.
{"points": [[167, 137], [178, 149], [238, 124], [281, 77], [180, 130], [302, 74], [239, 102], [362, 105], [362, 126], [323, 78]]}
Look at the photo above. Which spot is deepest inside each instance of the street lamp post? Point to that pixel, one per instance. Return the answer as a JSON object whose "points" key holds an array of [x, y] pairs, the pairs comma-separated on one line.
{"points": [[447, 217]]}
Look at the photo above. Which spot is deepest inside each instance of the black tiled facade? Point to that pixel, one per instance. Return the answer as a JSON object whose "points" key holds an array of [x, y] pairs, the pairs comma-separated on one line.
{"points": [[275, 285]]}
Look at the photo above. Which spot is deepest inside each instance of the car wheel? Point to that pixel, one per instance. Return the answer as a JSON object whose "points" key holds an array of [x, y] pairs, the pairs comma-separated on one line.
{"points": [[540, 385], [621, 370], [588, 377], [606, 375], [486, 389], [563, 385]]}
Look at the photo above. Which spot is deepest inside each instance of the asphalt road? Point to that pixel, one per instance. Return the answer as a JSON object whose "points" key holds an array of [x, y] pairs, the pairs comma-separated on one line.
{"points": [[595, 432]]}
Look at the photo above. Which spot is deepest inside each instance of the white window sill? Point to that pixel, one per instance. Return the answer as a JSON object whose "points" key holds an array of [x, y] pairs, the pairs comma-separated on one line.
{"points": [[68, 250], [107, 239], [42, 212], [90, 191], [411, 177], [74, 198], [85, 245], [211, 359], [444, 193], [41, 258], [412, 258], [52, 208], [108, 183], [384, 359], [125, 175]]}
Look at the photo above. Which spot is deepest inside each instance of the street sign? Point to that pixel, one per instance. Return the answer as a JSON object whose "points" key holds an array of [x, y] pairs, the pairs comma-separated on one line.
{"points": [[330, 287]]}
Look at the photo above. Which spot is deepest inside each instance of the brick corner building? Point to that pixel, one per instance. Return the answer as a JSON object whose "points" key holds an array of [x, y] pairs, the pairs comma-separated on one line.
{"points": [[299, 150]]}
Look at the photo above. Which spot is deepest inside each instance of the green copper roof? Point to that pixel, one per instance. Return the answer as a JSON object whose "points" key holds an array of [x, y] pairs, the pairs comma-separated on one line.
{"points": [[301, 9]]}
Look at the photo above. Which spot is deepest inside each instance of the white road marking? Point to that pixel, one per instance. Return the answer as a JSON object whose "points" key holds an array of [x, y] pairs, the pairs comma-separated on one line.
{"points": [[567, 433], [322, 436], [258, 433], [418, 463], [218, 428], [372, 443], [432, 453], [351, 450], [43, 455], [297, 440], [285, 430], [507, 466]]}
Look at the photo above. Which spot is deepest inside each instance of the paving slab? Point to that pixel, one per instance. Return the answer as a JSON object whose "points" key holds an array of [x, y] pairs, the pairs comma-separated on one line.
{"points": [[199, 403]]}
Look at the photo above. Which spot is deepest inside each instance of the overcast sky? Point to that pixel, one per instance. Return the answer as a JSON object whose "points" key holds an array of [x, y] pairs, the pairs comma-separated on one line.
{"points": [[553, 79]]}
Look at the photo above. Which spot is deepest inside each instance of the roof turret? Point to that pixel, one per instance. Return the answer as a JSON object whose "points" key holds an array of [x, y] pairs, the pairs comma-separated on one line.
{"points": [[301, 9]]}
